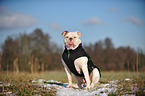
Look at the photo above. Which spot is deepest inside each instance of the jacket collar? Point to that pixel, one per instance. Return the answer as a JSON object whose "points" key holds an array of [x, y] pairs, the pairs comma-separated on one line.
{"points": [[77, 47]]}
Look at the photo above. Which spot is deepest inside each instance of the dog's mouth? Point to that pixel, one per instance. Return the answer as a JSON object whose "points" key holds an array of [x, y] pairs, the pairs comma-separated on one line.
{"points": [[70, 42]]}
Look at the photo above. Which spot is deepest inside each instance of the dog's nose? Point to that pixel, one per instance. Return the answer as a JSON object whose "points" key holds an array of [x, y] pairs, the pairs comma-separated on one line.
{"points": [[70, 39]]}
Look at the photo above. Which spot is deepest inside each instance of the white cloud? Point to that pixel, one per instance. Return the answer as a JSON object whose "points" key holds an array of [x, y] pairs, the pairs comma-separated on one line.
{"points": [[92, 21], [16, 20], [133, 20], [54, 26], [113, 9]]}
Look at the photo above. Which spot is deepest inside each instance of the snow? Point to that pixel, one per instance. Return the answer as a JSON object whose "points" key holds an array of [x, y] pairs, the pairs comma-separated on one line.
{"points": [[127, 79], [102, 89], [5, 93]]}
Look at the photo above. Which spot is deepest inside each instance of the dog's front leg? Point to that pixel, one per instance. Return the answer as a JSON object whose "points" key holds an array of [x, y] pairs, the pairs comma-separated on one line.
{"points": [[68, 72], [69, 78], [86, 73]]}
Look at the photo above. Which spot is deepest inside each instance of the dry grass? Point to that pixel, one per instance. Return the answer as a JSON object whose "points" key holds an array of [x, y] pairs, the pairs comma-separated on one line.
{"points": [[21, 84]]}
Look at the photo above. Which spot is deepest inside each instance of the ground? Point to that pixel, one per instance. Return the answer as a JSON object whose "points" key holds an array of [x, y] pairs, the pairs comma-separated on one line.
{"points": [[55, 82]]}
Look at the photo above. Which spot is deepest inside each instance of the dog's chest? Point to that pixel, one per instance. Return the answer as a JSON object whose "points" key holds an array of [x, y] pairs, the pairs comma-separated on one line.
{"points": [[69, 57]]}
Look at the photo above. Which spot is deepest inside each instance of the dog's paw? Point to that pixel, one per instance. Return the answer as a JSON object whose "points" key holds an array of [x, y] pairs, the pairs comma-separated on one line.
{"points": [[86, 88], [69, 86]]}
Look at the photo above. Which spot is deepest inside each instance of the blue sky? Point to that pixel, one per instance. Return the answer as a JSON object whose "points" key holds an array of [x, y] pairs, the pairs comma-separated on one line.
{"points": [[121, 20]]}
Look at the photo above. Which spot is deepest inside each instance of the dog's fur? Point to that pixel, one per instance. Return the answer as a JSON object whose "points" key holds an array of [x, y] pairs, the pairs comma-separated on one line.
{"points": [[72, 41]]}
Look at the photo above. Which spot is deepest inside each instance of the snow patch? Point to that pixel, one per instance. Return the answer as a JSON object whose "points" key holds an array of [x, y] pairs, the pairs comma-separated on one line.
{"points": [[101, 89], [80, 92], [127, 79]]}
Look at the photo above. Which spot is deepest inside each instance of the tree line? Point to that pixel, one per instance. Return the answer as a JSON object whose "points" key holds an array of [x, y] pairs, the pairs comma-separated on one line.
{"points": [[107, 57], [35, 52]]}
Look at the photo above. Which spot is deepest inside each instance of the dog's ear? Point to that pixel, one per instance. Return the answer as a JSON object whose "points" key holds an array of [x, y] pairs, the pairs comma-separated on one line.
{"points": [[65, 32], [79, 33]]}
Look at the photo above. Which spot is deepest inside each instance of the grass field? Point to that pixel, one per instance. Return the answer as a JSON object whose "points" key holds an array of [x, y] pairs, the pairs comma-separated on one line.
{"points": [[21, 84]]}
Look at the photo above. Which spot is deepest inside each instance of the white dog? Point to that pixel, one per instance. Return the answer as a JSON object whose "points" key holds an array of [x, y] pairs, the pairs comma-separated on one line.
{"points": [[76, 61]]}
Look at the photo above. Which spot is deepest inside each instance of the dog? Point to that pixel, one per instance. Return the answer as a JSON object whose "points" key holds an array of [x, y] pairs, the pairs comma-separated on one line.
{"points": [[78, 62]]}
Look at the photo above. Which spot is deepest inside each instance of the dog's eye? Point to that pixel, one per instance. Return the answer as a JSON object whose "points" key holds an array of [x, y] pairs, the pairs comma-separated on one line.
{"points": [[66, 36], [75, 37]]}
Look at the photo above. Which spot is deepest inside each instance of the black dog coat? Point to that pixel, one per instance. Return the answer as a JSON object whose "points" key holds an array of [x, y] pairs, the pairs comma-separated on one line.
{"points": [[69, 56]]}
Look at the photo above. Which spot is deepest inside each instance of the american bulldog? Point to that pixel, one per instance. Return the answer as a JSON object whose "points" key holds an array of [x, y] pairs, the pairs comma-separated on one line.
{"points": [[78, 62]]}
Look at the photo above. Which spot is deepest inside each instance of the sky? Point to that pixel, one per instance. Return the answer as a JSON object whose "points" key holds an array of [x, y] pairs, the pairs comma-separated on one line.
{"points": [[121, 20]]}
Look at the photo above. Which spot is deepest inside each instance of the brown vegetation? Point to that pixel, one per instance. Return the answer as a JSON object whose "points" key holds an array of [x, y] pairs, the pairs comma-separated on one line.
{"points": [[35, 53], [119, 59]]}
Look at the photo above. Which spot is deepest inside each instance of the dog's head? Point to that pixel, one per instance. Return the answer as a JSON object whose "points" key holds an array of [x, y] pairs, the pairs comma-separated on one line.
{"points": [[71, 39]]}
